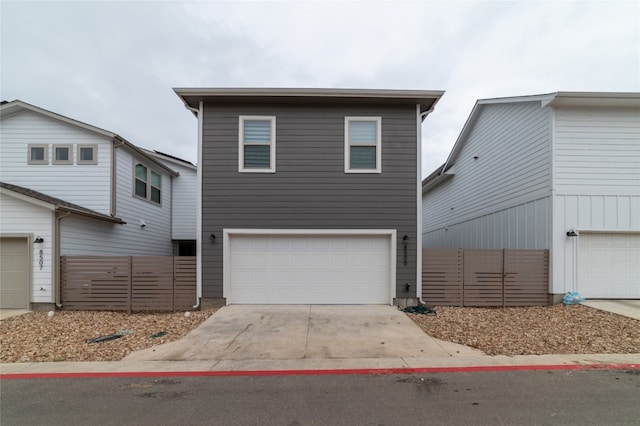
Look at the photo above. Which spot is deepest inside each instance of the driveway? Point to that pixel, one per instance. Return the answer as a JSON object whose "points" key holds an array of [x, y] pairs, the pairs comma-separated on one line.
{"points": [[286, 332]]}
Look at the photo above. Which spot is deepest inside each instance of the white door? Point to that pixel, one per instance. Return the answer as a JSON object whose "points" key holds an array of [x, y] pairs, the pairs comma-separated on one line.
{"points": [[609, 266], [309, 269], [14, 273]]}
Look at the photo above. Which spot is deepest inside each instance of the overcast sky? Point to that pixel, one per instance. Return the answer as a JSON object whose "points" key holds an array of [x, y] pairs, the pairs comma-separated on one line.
{"points": [[113, 64]]}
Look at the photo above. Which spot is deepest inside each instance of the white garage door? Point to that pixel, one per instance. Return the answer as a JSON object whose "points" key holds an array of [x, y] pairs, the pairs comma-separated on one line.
{"points": [[609, 266], [14, 273], [309, 269]]}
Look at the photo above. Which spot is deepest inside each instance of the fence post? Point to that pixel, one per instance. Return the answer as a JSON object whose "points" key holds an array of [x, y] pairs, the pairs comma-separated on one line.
{"points": [[504, 275]]}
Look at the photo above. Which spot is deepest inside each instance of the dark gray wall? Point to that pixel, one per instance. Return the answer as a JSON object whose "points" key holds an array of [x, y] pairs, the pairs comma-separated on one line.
{"points": [[309, 189]]}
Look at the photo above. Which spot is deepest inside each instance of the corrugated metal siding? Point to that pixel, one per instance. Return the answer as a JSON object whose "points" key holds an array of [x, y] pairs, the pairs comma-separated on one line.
{"points": [[597, 151], [492, 200], [87, 185], [309, 188]]}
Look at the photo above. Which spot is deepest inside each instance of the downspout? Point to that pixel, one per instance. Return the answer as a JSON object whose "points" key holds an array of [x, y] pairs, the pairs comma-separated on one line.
{"points": [[198, 112], [422, 116], [116, 144], [56, 256]]}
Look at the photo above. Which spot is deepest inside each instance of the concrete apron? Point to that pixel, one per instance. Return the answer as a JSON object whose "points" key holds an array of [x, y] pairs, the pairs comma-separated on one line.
{"points": [[297, 332]]}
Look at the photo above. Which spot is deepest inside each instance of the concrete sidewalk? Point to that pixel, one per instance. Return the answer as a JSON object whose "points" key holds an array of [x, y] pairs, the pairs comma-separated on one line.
{"points": [[627, 308], [286, 338]]}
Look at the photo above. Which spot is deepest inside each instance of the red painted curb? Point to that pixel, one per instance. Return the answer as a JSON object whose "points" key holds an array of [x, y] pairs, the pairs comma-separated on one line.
{"points": [[373, 371]]}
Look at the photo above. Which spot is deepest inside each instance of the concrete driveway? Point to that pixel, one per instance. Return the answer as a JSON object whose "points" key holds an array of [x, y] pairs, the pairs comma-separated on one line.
{"points": [[288, 332]]}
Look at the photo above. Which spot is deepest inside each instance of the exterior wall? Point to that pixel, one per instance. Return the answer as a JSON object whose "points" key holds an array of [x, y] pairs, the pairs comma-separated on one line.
{"points": [[185, 195], [501, 199], [525, 226], [87, 185], [85, 236], [21, 218], [597, 180], [310, 189]]}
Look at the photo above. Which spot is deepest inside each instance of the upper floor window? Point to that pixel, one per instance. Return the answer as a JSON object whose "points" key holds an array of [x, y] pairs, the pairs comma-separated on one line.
{"points": [[87, 154], [362, 145], [257, 144], [62, 154], [148, 184], [38, 154]]}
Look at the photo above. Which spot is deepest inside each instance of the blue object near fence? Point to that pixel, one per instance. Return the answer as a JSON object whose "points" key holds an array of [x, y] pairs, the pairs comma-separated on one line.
{"points": [[572, 298]]}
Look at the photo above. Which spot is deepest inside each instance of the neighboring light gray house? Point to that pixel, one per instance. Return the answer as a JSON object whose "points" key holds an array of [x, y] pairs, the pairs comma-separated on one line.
{"points": [[69, 188], [559, 171], [309, 196], [184, 192]]}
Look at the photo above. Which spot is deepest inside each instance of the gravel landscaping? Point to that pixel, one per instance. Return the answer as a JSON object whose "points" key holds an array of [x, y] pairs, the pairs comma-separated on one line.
{"points": [[38, 337], [558, 329]]}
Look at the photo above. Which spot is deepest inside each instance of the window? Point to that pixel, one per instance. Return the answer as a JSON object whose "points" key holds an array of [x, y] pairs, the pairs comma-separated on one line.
{"points": [[362, 145], [62, 154], [38, 154], [257, 152], [87, 154], [148, 184]]}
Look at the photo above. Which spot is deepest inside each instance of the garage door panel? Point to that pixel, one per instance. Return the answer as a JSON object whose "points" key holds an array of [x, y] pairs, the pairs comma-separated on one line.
{"points": [[309, 269], [14, 273], [609, 265]]}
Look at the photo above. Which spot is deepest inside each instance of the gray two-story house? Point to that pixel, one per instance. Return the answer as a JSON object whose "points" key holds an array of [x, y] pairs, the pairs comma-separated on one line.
{"points": [[309, 196]]}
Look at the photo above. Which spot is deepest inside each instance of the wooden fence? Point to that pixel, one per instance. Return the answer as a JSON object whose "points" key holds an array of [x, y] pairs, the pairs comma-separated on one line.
{"points": [[457, 277], [128, 283]]}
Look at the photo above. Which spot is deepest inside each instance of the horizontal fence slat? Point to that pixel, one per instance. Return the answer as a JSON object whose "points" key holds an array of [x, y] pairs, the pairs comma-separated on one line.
{"points": [[126, 283], [485, 277]]}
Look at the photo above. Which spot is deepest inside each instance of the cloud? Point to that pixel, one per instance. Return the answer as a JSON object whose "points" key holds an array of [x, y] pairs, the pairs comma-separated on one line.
{"points": [[114, 64]]}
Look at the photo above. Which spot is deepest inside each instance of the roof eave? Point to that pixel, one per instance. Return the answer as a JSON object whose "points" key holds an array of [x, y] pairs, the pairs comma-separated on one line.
{"points": [[192, 96]]}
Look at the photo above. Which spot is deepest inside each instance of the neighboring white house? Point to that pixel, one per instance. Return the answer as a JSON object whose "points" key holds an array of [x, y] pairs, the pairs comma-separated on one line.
{"points": [[559, 171], [184, 202], [47, 161]]}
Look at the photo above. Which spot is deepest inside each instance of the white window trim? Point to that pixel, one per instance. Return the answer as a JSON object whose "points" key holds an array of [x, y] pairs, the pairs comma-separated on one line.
{"points": [[95, 154], [272, 144], [347, 151], [148, 183], [46, 154], [70, 151]]}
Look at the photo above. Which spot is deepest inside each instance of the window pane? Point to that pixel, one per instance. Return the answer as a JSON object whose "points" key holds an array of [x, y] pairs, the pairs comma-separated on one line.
{"points": [[362, 132], [363, 157], [257, 156], [257, 132], [141, 172], [155, 194], [156, 180], [62, 154], [86, 153], [141, 189], [37, 153]]}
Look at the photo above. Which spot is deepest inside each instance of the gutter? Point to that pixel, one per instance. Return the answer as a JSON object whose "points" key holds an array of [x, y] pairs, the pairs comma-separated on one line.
{"points": [[419, 265], [197, 113], [57, 255], [117, 143]]}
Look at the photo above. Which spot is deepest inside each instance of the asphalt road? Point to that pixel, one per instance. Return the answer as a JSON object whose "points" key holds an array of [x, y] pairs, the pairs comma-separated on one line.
{"points": [[609, 397]]}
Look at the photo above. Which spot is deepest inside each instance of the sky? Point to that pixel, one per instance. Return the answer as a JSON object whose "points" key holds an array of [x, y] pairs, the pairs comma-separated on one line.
{"points": [[114, 64]]}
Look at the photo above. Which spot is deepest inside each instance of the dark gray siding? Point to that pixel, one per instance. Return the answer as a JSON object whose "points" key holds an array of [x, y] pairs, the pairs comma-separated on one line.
{"points": [[309, 189]]}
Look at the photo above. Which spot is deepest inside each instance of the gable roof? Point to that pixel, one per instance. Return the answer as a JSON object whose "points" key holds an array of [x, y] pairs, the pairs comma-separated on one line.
{"points": [[191, 97], [172, 159], [9, 108], [556, 99], [58, 204]]}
